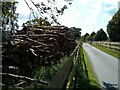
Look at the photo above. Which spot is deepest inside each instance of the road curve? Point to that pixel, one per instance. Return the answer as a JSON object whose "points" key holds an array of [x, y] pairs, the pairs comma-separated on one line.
{"points": [[105, 67]]}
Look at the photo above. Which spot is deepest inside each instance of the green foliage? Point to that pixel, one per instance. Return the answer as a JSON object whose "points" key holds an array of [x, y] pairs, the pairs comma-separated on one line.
{"points": [[84, 37], [88, 38], [48, 10], [39, 22], [46, 73], [100, 36], [8, 19], [76, 31], [83, 81], [113, 27], [92, 35], [8, 14]]}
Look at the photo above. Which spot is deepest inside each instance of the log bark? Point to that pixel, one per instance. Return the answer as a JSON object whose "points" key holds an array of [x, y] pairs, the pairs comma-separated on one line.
{"points": [[25, 78]]}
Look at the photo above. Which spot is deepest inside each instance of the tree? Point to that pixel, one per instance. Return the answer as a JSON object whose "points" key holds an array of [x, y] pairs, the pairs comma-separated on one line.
{"points": [[92, 35], [100, 35], [39, 22], [113, 27], [76, 31], [88, 38], [8, 19], [85, 36], [47, 10]]}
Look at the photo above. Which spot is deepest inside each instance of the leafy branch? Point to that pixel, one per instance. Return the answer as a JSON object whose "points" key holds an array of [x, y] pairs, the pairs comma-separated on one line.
{"points": [[48, 10]]}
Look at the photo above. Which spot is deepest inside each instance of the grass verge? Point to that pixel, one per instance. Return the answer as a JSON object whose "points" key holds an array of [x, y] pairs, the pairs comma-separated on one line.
{"points": [[92, 78], [117, 55], [85, 77]]}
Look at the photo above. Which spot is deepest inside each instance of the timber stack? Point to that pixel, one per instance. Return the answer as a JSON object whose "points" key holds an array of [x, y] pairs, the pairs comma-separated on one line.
{"points": [[43, 46]]}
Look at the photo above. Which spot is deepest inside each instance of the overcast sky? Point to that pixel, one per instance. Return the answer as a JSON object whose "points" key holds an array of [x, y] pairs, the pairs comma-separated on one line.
{"points": [[89, 15]]}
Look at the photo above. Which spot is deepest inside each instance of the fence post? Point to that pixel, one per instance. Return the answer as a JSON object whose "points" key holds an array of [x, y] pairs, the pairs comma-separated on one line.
{"points": [[62, 74]]}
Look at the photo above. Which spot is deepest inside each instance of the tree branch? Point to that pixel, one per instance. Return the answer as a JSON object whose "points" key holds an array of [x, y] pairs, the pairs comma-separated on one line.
{"points": [[25, 78]]}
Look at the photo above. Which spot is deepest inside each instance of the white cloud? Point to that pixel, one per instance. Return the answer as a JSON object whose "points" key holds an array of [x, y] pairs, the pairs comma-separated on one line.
{"points": [[112, 2], [98, 16], [90, 15], [83, 2]]}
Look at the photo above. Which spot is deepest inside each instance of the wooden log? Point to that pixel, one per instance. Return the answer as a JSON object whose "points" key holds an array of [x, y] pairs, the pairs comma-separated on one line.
{"points": [[49, 27], [37, 35], [25, 78], [34, 41], [19, 84], [43, 43]]}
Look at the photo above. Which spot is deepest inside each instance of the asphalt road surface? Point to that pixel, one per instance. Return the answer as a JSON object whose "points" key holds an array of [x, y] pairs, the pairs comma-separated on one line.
{"points": [[105, 67]]}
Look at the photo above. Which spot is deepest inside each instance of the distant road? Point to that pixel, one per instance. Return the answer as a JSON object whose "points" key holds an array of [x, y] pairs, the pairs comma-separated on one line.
{"points": [[105, 67]]}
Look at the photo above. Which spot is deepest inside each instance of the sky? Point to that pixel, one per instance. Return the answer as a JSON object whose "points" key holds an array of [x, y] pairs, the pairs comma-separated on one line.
{"points": [[89, 15]]}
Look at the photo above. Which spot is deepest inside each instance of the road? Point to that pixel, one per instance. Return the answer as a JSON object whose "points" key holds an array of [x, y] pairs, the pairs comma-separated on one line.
{"points": [[105, 67]]}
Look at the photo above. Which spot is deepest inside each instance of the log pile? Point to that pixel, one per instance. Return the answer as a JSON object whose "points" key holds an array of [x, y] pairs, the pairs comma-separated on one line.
{"points": [[40, 47]]}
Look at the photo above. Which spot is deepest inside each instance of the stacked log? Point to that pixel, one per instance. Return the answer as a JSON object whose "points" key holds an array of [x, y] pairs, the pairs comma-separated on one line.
{"points": [[39, 47], [43, 46]]}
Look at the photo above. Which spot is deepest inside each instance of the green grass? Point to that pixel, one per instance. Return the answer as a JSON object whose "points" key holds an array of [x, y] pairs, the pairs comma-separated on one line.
{"points": [[92, 78], [117, 55], [45, 74], [85, 77]]}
